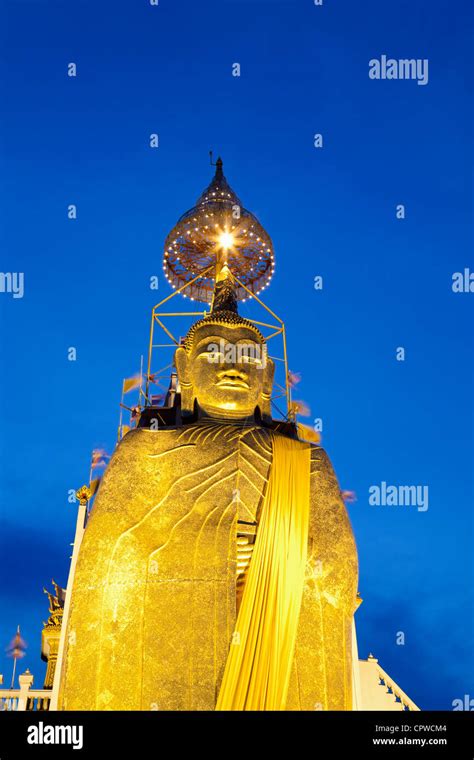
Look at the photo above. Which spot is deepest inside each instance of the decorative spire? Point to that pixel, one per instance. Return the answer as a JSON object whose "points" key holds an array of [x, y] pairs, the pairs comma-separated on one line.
{"points": [[225, 298], [219, 191]]}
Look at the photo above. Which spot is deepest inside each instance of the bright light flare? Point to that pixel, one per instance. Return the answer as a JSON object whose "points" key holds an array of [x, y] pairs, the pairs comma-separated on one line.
{"points": [[226, 239]]}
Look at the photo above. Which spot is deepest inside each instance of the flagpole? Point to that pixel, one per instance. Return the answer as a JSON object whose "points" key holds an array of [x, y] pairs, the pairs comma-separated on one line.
{"points": [[141, 381], [14, 660], [121, 413], [13, 674], [90, 481]]}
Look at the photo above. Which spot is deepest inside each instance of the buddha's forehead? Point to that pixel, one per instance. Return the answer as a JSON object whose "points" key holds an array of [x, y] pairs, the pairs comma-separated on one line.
{"points": [[211, 333]]}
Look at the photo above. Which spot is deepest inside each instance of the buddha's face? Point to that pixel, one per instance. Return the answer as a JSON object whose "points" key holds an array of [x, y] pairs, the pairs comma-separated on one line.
{"points": [[227, 371]]}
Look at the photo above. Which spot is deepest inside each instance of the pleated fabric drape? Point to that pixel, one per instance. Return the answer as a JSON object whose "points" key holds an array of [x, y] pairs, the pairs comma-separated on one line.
{"points": [[258, 668]]}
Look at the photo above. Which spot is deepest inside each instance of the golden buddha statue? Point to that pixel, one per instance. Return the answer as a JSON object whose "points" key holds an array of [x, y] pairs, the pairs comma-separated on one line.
{"points": [[218, 568]]}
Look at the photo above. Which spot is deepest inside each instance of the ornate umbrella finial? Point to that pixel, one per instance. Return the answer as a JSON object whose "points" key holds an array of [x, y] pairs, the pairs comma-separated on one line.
{"points": [[218, 232]]}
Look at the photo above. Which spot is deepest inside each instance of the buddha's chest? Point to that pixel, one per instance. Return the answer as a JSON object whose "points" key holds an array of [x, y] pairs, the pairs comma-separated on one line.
{"points": [[225, 463], [229, 467]]}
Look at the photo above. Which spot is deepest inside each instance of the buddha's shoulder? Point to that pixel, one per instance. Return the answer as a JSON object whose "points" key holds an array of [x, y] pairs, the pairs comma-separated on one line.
{"points": [[321, 464], [320, 455], [225, 435], [147, 440], [207, 434]]}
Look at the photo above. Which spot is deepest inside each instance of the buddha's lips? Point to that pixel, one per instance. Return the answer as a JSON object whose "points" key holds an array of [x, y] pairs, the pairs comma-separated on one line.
{"points": [[232, 382]]}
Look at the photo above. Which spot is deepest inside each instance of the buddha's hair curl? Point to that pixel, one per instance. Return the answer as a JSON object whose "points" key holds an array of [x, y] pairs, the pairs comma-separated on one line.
{"points": [[224, 318]]}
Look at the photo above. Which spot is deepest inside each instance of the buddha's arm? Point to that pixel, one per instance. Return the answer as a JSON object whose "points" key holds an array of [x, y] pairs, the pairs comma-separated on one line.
{"points": [[332, 546], [322, 677], [157, 540], [115, 510]]}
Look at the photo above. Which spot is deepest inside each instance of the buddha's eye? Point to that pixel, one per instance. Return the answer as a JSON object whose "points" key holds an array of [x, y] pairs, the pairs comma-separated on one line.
{"points": [[213, 357], [250, 360]]}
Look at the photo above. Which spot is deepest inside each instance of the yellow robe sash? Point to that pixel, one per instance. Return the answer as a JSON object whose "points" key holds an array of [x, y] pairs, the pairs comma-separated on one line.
{"points": [[258, 668]]}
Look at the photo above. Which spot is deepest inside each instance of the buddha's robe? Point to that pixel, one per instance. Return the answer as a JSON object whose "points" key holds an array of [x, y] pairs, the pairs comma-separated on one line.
{"points": [[154, 599]]}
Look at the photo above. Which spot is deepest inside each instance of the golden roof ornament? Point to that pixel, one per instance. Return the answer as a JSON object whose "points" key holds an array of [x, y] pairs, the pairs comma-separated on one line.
{"points": [[56, 605], [83, 495]]}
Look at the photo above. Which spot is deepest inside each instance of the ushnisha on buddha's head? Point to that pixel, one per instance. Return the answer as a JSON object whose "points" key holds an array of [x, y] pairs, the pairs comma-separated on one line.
{"points": [[223, 364]]}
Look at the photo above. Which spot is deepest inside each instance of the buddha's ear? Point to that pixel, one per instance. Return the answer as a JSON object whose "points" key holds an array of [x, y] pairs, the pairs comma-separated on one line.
{"points": [[268, 373], [267, 386], [181, 360]]}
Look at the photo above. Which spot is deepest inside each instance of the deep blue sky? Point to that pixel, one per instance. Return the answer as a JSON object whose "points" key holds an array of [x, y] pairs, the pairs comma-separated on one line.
{"points": [[387, 283]]}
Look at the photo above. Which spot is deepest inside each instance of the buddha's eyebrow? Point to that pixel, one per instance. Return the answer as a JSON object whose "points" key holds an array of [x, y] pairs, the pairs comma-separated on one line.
{"points": [[212, 340]]}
